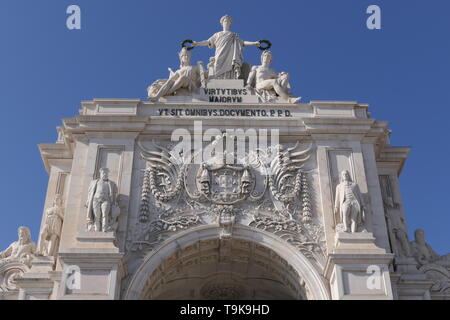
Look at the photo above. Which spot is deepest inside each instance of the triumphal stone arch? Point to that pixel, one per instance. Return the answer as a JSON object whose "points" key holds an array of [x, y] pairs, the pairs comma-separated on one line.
{"points": [[223, 185]]}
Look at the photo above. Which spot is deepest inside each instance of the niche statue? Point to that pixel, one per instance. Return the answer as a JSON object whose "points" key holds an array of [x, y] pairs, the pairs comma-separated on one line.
{"points": [[349, 204], [102, 206]]}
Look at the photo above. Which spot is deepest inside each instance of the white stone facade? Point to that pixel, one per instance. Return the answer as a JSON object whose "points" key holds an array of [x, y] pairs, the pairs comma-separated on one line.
{"points": [[184, 233]]}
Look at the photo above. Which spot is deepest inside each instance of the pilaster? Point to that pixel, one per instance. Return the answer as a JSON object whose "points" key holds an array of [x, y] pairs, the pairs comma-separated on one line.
{"points": [[358, 270]]}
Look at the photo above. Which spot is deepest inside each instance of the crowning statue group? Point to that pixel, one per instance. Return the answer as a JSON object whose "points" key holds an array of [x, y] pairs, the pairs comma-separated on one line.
{"points": [[227, 63]]}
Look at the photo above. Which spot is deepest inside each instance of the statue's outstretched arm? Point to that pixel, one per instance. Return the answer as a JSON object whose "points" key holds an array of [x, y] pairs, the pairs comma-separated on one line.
{"points": [[200, 43], [249, 43]]}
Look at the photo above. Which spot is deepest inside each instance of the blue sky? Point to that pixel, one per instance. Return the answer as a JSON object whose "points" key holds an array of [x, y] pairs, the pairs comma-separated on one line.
{"points": [[402, 71]]}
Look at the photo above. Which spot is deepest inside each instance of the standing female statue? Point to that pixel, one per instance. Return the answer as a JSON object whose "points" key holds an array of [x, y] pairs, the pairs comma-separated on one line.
{"points": [[229, 46]]}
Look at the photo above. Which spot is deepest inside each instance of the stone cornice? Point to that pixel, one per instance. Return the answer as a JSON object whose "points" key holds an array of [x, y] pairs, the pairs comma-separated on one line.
{"points": [[321, 119], [54, 151], [394, 157], [87, 255]]}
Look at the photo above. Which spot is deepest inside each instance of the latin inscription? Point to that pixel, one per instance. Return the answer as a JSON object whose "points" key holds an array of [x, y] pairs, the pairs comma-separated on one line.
{"points": [[225, 95], [180, 112]]}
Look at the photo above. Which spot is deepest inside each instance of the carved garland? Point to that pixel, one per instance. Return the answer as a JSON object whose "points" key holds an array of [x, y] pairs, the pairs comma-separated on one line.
{"points": [[306, 201], [145, 197]]}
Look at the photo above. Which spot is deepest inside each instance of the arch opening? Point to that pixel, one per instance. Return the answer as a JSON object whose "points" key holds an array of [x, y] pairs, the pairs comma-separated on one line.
{"points": [[199, 265], [224, 270]]}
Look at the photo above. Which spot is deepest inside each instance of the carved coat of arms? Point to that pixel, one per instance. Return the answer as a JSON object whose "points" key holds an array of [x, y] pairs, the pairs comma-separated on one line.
{"points": [[266, 189]]}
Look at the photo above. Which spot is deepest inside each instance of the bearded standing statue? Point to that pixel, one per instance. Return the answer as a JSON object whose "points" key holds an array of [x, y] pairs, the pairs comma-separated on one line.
{"points": [[102, 206]]}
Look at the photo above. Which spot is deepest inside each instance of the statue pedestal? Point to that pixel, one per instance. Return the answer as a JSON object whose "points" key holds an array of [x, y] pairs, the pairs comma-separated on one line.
{"points": [[94, 239], [407, 266], [92, 270], [90, 273], [357, 269], [41, 264], [411, 284], [354, 243], [225, 84], [217, 91], [36, 284]]}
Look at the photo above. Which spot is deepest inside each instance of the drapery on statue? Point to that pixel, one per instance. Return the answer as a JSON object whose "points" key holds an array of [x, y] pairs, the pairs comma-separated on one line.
{"points": [[51, 231], [398, 227], [349, 203], [229, 46], [421, 250], [102, 206], [267, 83], [21, 250], [187, 77]]}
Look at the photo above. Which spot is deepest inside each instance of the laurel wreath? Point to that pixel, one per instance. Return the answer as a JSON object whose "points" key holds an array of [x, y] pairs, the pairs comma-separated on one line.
{"points": [[267, 47], [183, 44]]}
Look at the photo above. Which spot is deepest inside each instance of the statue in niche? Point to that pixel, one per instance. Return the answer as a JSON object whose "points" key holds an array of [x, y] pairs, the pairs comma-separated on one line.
{"points": [[229, 46], [395, 219], [349, 203], [187, 77], [22, 250], [102, 205], [398, 228], [51, 231], [268, 84]]}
